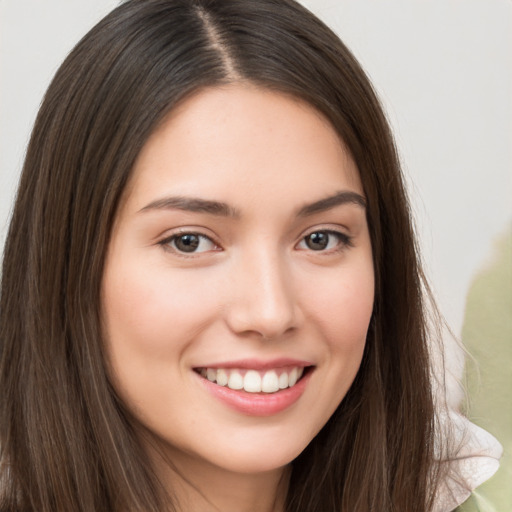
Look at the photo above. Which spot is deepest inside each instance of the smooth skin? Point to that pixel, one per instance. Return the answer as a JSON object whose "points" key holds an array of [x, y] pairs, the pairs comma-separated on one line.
{"points": [[263, 275]]}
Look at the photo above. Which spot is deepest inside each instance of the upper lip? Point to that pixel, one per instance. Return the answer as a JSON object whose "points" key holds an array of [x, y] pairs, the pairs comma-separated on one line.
{"points": [[258, 364]]}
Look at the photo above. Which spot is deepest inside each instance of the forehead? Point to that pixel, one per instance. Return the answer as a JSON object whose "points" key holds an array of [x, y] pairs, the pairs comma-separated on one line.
{"points": [[247, 139]]}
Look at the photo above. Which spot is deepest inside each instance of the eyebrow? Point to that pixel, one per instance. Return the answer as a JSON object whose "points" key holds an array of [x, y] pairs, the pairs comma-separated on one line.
{"points": [[193, 204], [338, 199], [218, 208]]}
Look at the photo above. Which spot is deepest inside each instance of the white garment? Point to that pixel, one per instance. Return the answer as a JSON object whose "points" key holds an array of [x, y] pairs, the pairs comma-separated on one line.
{"points": [[475, 461]]}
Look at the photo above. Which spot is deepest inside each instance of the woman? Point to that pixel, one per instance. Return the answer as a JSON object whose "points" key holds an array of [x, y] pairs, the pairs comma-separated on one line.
{"points": [[211, 295]]}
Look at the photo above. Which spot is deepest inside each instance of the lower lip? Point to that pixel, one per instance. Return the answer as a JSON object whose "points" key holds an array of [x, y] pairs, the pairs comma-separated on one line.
{"points": [[258, 404]]}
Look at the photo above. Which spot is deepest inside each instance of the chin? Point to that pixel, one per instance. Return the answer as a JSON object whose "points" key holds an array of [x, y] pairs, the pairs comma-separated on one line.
{"points": [[260, 454]]}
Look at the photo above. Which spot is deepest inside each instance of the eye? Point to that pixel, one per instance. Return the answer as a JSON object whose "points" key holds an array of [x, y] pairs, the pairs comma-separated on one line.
{"points": [[189, 243], [324, 240]]}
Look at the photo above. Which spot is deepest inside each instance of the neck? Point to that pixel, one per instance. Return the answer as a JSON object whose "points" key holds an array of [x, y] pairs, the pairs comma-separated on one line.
{"points": [[196, 485]]}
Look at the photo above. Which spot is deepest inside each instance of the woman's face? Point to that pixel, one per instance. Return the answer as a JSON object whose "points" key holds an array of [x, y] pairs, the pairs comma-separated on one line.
{"points": [[240, 260]]}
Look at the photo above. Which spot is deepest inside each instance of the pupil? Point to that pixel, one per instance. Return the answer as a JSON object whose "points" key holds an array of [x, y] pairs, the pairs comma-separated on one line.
{"points": [[317, 241], [187, 243]]}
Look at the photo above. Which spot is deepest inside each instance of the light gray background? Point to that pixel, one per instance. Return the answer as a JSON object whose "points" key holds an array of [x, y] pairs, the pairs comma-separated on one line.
{"points": [[443, 69]]}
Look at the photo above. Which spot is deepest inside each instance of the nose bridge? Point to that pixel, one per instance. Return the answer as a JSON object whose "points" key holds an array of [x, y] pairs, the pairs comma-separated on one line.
{"points": [[264, 301]]}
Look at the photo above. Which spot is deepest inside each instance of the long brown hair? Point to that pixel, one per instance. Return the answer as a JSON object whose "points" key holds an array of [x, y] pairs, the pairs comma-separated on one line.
{"points": [[67, 442]]}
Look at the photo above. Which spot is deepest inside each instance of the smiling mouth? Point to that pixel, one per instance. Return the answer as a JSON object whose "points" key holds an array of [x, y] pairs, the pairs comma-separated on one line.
{"points": [[254, 381]]}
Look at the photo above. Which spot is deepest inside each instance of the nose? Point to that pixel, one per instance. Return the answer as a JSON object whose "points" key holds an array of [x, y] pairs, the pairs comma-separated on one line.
{"points": [[263, 301]]}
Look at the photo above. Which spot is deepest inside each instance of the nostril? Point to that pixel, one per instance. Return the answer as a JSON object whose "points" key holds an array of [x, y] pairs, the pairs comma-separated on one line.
{"points": [[248, 320]]}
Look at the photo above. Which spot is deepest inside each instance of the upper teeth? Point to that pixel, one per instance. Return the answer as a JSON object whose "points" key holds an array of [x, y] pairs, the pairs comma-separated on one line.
{"points": [[254, 381]]}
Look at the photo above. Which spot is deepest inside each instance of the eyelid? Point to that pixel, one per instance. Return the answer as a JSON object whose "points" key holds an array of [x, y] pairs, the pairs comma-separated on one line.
{"points": [[345, 240], [165, 242]]}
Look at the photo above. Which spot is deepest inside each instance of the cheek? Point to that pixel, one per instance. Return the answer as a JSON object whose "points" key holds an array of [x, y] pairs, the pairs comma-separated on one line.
{"points": [[342, 307], [339, 307], [148, 312]]}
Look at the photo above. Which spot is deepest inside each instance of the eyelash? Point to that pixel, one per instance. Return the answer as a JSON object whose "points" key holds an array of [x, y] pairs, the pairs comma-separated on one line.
{"points": [[169, 243], [344, 240]]}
